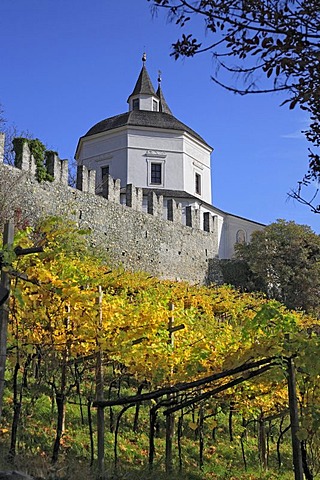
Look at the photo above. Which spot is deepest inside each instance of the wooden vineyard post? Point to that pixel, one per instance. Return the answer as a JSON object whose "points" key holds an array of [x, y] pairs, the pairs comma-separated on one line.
{"points": [[60, 393], [8, 235], [100, 396], [170, 417], [294, 420], [262, 442]]}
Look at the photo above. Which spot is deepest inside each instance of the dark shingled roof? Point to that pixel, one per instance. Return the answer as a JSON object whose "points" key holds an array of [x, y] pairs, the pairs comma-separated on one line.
{"points": [[144, 84], [163, 104], [143, 118]]}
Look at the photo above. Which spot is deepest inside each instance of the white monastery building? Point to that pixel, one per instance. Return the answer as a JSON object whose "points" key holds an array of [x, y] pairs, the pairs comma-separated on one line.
{"points": [[149, 148]]}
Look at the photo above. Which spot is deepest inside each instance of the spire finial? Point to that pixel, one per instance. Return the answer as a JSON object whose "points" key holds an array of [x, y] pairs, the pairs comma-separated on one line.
{"points": [[144, 58], [159, 77]]}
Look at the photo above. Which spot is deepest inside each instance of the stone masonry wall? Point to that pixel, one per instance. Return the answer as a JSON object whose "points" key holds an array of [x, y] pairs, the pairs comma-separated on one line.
{"points": [[139, 241]]}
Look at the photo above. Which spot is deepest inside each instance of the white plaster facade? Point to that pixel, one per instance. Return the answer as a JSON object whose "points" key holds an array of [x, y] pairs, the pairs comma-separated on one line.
{"points": [[149, 148], [130, 151]]}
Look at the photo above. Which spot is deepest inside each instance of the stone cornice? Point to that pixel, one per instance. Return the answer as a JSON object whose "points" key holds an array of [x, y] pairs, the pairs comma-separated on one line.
{"points": [[155, 154]]}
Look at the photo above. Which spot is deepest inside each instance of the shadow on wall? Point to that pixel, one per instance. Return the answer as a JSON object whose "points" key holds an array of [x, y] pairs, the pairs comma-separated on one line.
{"points": [[214, 273]]}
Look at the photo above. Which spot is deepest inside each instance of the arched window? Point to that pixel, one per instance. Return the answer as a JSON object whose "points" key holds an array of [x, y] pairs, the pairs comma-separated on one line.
{"points": [[241, 236]]}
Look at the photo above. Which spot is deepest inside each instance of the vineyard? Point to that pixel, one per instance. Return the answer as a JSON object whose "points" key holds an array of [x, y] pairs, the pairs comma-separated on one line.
{"points": [[123, 374]]}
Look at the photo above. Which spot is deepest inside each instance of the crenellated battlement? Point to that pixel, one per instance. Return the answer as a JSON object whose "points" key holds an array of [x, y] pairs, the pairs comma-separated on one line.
{"points": [[111, 189], [130, 196], [138, 229], [2, 141], [134, 197], [86, 179], [26, 160], [58, 169]]}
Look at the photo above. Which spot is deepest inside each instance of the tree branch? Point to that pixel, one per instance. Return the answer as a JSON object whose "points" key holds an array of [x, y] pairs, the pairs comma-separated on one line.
{"points": [[180, 387], [219, 389]]}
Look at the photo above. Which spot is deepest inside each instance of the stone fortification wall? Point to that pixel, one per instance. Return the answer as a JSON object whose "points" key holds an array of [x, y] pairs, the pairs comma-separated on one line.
{"points": [[130, 237]]}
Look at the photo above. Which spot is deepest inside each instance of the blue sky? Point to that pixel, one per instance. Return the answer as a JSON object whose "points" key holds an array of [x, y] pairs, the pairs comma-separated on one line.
{"points": [[66, 64]]}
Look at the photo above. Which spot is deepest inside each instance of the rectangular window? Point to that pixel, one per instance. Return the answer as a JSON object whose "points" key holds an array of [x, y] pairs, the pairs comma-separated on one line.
{"points": [[154, 105], [198, 183], [156, 173], [135, 104], [104, 173]]}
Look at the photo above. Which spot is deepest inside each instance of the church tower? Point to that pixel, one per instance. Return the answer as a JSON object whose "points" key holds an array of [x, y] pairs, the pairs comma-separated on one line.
{"points": [[150, 148]]}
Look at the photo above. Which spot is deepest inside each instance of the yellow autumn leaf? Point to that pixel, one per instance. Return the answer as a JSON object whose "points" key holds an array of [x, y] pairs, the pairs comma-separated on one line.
{"points": [[193, 425]]}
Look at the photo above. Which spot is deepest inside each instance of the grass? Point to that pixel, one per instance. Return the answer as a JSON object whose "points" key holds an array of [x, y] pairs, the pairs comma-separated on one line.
{"points": [[222, 459]]}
